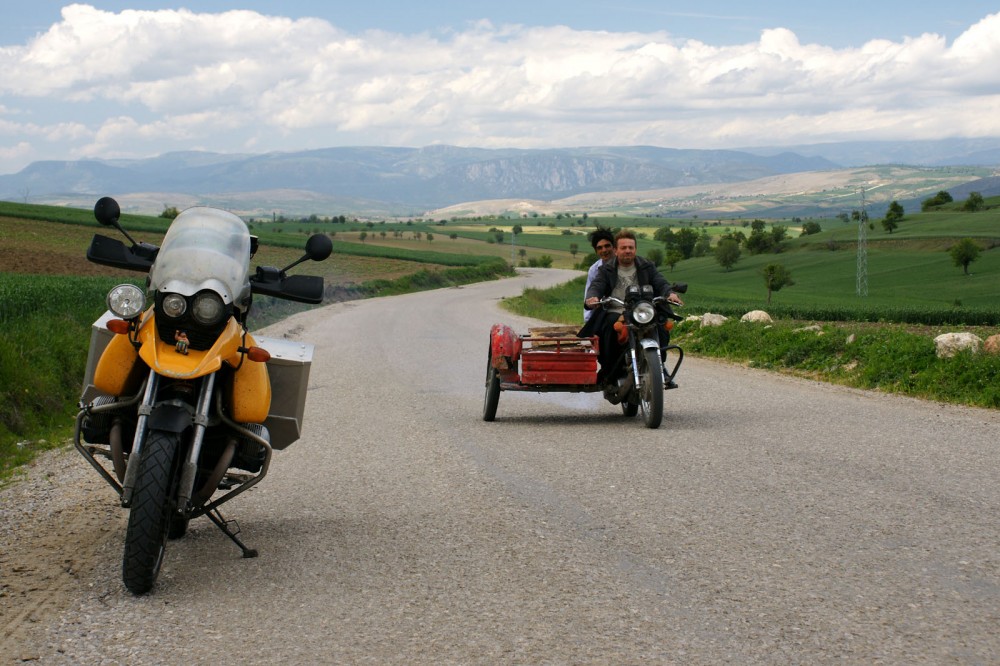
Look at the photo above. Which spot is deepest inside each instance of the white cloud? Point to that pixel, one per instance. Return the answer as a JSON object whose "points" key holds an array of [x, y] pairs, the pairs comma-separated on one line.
{"points": [[175, 79]]}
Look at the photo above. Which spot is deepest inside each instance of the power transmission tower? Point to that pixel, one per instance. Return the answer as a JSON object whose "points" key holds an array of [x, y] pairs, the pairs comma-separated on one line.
{"points": [[862, 284]]}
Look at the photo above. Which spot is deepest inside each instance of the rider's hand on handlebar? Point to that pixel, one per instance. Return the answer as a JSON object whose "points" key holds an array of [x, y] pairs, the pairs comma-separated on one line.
{"points": [[592, 302], [674, 298]]}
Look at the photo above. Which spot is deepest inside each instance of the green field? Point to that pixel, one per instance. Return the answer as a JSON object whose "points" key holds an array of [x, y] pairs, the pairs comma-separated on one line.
{"points": [[911, 279]]}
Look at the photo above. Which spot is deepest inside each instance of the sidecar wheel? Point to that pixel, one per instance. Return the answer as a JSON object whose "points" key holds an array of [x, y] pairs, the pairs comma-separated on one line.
{"points": [[150, 515], [492, 398]]}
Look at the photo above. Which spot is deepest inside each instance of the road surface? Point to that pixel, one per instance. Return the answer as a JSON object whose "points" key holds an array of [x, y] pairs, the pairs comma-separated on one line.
{"points": [[770, 520]]}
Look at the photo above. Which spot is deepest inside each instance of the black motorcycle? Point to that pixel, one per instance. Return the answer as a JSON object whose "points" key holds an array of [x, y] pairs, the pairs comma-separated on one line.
{"points": [[642, 369]]}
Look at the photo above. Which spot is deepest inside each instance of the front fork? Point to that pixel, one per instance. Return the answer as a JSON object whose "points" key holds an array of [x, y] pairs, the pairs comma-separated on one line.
{"points": [[635, 348], [200, 418]]}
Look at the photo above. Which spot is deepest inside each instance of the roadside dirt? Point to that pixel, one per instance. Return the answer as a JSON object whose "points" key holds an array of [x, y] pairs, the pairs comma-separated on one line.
{"points": [[53, 518]]}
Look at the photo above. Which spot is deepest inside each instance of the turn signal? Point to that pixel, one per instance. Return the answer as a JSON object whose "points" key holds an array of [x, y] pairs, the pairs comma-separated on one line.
{"points": [[119, 326], [668, 325], [258, 355]]}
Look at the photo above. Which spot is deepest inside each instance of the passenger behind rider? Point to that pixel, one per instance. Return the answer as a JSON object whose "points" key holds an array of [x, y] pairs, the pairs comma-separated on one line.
{"points": [[613, 278], [603, 243]]}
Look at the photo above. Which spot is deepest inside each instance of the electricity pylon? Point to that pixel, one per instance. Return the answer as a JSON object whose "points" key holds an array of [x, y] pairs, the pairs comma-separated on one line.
{"points": [[862, 283]]}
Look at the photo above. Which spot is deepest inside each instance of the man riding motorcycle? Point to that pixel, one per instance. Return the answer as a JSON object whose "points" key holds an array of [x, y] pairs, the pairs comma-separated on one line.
{"points": [[613, 279]]}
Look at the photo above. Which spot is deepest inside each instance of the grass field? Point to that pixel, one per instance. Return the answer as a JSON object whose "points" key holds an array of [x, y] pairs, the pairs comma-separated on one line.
{"points": [[910, 278]]}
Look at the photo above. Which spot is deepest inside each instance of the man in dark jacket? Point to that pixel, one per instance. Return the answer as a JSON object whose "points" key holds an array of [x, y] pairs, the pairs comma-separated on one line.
{"points": [[613, 279]]}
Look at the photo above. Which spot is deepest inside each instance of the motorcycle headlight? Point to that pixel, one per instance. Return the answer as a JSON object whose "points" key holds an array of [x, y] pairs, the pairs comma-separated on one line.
{"points": [[174, 305], [126, 301], [643, 313], [208, 308]]}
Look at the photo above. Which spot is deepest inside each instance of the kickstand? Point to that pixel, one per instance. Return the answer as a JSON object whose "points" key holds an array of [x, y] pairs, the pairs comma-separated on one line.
{"points": [[216, 517]]}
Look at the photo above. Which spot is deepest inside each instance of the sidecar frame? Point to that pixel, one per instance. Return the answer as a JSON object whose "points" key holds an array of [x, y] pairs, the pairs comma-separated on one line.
{"points": [[544, 359]]}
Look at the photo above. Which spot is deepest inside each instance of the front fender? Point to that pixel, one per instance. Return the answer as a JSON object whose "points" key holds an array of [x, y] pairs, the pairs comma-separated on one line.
{"points": [[649, 343], [170, 418]]}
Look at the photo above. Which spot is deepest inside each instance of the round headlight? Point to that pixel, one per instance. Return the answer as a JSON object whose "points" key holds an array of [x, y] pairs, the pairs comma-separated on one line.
{"points": [[174, 305], [643, 313], [208, 308], [126, 301]]}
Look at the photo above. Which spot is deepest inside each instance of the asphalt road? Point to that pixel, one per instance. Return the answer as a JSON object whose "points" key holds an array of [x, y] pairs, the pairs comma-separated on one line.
{"points": [[769, 520]]}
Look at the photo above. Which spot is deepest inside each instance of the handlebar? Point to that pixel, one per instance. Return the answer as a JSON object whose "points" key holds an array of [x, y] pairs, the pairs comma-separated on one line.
{"points": [[611, 300]]}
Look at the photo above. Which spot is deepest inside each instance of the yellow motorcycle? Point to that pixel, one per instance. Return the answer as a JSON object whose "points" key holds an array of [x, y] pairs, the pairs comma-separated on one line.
{"points": [[182, 408]]}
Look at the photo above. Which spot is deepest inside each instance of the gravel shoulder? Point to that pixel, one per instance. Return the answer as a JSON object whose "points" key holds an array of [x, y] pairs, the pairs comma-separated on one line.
{"points": [[54, 520]]}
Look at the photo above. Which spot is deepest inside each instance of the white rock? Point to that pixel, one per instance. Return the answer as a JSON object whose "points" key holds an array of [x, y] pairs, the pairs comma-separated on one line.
{"points": [[757, 316], [709, 319], [949, 344]]}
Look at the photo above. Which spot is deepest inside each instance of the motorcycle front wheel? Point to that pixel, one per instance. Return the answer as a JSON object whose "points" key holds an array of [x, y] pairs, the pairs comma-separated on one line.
{"points": [[152, 506], [651, 389]]}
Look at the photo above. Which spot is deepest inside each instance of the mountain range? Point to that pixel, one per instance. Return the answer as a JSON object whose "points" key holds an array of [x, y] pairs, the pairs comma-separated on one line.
{"points": [[417, 181]]}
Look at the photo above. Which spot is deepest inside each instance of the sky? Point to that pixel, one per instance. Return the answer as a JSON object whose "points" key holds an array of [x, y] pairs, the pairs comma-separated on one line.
{"points": [[132, 79]]}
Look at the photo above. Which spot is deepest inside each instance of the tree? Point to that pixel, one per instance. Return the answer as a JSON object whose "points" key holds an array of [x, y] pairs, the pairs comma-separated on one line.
{"points": [[674, 256], [974, 202], [964, 252], [664, 235], [776, 276], [169, 212], [810, 228], [727, 253], [363, 235], [573, 249], [778, 233], [703, 246], [655, 256], [942, 197], [685, 240], [429, 236], [517, 229], [893, 216]]}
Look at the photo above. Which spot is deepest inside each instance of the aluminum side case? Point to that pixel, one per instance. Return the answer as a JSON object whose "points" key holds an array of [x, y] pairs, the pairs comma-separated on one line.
{"points": [[100, 336], [288, 370]]}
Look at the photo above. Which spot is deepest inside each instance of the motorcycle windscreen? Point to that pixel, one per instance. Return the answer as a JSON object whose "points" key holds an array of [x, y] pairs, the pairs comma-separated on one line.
{"points": [[204, 248]]}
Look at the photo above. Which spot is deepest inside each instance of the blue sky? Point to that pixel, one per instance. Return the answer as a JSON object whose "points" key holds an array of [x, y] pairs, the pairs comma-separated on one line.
{"points": [[140, 78]]}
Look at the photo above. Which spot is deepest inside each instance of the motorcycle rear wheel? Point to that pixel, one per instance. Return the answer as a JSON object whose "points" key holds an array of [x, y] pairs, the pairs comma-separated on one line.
{"points": [[152, 506], [651, 390]]}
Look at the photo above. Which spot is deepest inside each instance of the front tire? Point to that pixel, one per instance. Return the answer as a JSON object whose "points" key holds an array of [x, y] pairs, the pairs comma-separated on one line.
{"points": [[492, 398], [150, 516], [651, 390]]}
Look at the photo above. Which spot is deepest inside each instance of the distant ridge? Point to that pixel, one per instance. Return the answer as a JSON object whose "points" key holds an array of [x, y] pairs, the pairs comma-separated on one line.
{"points": [[411, 181]]}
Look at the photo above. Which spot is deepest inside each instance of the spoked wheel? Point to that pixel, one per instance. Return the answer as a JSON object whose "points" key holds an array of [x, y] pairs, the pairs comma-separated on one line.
{"points": [[651, 390], [492, 398], [149, 519]]}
